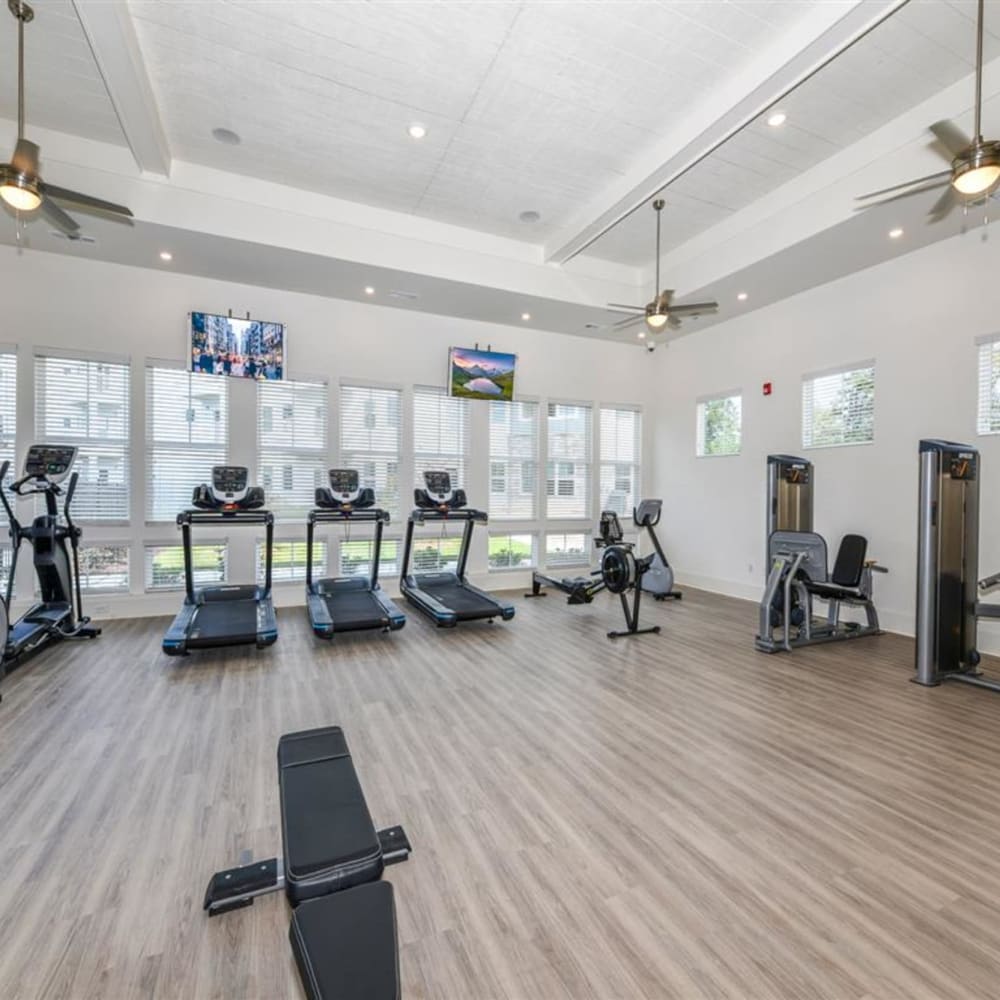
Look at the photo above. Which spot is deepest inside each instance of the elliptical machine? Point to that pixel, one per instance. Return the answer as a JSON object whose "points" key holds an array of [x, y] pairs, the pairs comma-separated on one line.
{"points": [[55, 616]]}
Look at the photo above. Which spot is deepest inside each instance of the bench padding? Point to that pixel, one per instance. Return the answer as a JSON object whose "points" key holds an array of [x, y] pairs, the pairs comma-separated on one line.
{"points": [[329, 839], [345, 945]]}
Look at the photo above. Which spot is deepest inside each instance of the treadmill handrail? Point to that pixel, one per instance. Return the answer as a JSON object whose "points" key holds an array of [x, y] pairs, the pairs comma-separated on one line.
{"points": [[224, 516], [324, 515], [419, 515]]}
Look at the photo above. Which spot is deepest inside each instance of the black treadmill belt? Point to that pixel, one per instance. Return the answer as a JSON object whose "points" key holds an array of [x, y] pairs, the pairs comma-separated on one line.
{"points": [[225, 621], [464, 602], [354, 609]]}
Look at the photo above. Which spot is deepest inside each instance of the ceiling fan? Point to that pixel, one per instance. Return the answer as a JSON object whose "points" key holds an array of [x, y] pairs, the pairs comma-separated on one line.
{"points": [[660, 312], [21, 187], [975, 163]]}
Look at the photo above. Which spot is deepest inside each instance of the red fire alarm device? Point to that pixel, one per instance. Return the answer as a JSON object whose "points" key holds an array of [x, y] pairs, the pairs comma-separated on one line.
{"points": [[767, 388]]}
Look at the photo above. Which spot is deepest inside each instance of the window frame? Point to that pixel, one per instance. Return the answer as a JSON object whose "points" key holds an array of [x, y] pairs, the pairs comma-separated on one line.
{"points": [[701, 404]]}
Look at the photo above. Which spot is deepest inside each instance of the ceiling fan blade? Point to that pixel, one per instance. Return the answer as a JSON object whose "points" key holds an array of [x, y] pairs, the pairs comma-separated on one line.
{"points": [[939, 176], [84, 200], [619, 307], [25, 158], [58, 217], [943, 205], [693, 307], [951, 137], [901, 195], [628, 321]]}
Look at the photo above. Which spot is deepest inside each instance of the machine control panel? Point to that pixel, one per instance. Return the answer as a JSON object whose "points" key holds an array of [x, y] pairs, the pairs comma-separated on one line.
{"points": [[49, 461], [438, 485], [796, 473], [962, 465], [344, 485], [230, 482]]}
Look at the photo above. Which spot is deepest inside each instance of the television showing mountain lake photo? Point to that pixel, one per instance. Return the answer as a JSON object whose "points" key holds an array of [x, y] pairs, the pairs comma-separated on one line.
{"points": [[481, 374]]}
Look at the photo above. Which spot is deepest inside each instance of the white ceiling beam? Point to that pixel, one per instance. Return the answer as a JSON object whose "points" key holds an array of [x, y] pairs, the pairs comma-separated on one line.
{"points": [[113, 41], [828, 30]]}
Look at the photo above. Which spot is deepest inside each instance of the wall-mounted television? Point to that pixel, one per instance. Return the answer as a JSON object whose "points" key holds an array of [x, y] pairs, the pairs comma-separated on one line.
{"points": [[475, 374], [243, 348]]}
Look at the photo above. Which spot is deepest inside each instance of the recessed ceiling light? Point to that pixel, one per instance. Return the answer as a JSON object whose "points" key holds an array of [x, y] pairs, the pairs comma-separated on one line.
{"points": [[777, 119], [642, 334], [525, 316], [226, 136], [742, 296], [166, 255], [417, 131], [894, 234], [530, 216], [369, 290]]}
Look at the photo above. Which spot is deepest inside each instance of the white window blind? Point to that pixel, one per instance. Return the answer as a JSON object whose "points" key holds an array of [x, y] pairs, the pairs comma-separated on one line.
{"points": [[291, 440], [86, 403], [431, 554], [440, 434], [567, 549], [370, 433], [510, 551], [720, 425], [104, 568], [8, 416], [356, 557], [988, 416], [567, 486], [838, 407], [187, 432], [513, 461], [288, 560], [165, 565], [621, 449]]}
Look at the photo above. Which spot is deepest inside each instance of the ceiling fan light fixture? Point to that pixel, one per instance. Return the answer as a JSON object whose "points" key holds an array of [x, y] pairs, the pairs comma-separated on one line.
{"points": [[20, 193], [656, 321], [979, 174]]}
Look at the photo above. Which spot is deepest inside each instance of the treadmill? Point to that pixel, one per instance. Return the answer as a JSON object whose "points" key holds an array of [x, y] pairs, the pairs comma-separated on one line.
{"points": [[350, 603], [225, 614], [446, 597]]}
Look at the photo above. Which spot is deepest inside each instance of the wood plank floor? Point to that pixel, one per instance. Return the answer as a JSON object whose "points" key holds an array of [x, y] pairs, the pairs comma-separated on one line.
{"points": [[668, 817]]}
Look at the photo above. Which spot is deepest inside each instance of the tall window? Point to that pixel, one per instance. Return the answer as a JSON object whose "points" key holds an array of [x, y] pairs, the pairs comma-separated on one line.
{"points": [[720, 424], [838, 407], [621, 449], [291, 441], [86, 403], [288, 559], [165, 565], [440, 434], [513, 461], [187, 432], [567, 549], [8, 414], [988, 416], [370, 431], [567, 477]]}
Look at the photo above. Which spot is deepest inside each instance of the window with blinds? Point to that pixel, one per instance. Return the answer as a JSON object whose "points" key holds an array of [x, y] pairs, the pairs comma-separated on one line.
{"points": [[621, 449], [509, 551], [8, 416], [370, 435], [567, 477], [187, 432], [432, 554], [356, 557], [720, 425], [440, 434], [567, 549], [292, 444], [165, 565], [838, 407], [86, 403], [288, 560], [513, 461], [988, 411], [104, 568]]}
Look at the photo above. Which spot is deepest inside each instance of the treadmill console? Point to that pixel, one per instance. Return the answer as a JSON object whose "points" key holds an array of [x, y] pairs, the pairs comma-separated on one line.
{"points": [[49, 461], [344, 485], [438, 486], [230, 483], [437, 493]]}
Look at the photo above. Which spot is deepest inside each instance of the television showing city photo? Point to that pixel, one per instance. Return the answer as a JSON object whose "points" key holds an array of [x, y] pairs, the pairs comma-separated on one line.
{"points": [[244, 348], [481, 374]]}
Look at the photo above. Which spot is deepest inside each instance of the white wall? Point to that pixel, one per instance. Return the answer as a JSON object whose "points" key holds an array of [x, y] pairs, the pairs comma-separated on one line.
{"points": [[59, 301], [918, 317]]}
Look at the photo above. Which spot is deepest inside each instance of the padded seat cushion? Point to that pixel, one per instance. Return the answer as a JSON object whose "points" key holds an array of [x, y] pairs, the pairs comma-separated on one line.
{"points": [[345, 944], [329, 839]]}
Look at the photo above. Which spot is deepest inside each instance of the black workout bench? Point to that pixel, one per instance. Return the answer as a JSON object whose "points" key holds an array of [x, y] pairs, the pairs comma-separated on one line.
{"points": [[343, 929]]}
